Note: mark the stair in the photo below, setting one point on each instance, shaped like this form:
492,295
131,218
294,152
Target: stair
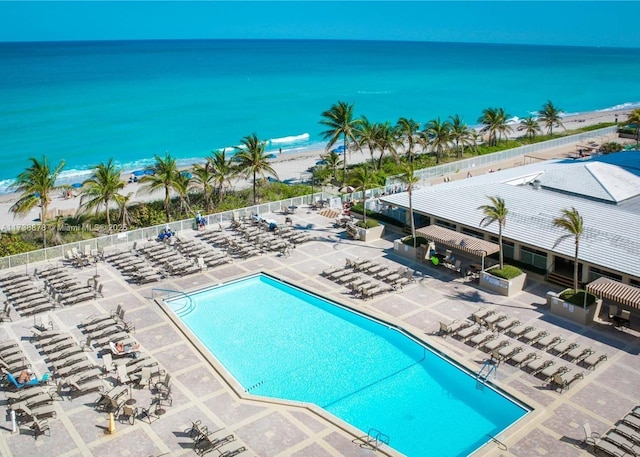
561,280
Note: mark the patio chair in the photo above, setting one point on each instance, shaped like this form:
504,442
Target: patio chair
535,366
549,372
629,432
481,314
128,414
518,331
562,348
562,382
576,355
453,327
468,332
40,427
77,390
491,320
505,353
481,338
507,324
494,344
533,336
548,342
622,441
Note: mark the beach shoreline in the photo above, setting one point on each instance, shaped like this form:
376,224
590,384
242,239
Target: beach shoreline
289,166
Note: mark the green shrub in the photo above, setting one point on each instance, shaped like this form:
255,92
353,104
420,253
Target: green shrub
357,208
420,240
578,298
508,272
368,224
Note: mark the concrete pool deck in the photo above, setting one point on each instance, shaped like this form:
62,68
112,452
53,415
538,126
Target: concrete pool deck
269,429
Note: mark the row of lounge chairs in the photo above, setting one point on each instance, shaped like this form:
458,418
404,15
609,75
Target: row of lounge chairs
621,440
205,441
134,267
25,295
205,255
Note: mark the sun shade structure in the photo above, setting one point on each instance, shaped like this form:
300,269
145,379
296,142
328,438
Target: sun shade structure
615,291
457,240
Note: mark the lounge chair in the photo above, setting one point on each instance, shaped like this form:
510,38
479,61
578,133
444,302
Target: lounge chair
622,441
494,344
576,355
232,452
505,353
562,381
481,314
537,365
518,331
507,324
533,336
547,342
562,348
77,390
629,432
33,382
592,361
608,447
481,338
468,332
453,327
548,373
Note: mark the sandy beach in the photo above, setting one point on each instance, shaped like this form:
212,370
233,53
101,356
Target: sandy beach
289,166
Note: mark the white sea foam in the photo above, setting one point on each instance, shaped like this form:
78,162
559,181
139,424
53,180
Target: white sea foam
304,137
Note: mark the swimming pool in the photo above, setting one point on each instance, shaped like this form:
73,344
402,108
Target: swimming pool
280,341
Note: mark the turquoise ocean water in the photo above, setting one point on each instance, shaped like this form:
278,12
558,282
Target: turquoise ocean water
87,101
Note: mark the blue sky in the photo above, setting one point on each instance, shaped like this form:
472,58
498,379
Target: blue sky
574,23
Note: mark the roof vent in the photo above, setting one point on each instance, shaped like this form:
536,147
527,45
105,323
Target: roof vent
536,184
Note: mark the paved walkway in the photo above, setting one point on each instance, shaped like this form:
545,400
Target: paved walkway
269,429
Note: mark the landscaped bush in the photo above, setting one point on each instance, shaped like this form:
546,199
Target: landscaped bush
358,209
508,272
611,146
368,224
578,298
420,240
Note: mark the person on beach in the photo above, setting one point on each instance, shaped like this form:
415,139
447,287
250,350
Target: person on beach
26,376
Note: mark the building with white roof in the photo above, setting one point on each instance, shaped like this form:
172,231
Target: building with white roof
604,189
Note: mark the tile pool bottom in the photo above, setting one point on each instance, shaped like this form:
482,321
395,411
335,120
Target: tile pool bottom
280,341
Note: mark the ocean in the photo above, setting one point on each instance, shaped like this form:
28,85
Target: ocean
85,102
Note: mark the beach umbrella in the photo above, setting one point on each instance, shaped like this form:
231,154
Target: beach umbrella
337,151
138,173
148,172
321,162
76,185
186,174
271,156
347,190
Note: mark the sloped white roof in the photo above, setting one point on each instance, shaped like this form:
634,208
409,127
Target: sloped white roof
611,236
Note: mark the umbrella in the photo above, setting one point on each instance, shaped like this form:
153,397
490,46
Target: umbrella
148,172
321,162
347,189
138,173
186,174
271,156
337,151
76,185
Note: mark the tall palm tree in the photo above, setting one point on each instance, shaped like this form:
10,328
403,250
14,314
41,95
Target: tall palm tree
252,161
102,188
495,124
634,118
366,135
408,130
203,178
333,162
362,179
459,133
223,171
495,212
164,175
387,140
530,126
36,184
340,123
438,135
410,179
572,222
550,115
181,186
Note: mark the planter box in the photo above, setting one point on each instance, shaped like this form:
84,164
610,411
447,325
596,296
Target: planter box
502,286
417,254
374,233
573,312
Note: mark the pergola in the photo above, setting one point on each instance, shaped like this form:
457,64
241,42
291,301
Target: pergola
615,291
459,241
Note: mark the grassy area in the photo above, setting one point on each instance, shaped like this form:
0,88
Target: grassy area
578,298
508,272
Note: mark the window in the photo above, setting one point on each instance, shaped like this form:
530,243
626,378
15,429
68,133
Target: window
473,233
595,273
445,224
508,247
533,257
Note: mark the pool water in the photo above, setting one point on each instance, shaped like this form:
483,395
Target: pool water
280,341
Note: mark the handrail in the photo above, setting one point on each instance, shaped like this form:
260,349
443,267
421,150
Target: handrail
181,311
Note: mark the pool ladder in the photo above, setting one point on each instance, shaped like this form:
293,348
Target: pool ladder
374,439
489,367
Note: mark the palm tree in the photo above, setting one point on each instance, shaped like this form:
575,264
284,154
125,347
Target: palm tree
366,134
123,211
362,179
340,122
459,133
572,222
333,162
36,184
410,179
634,117
495,212
550,115
101,189
164,175
437,134
203,178
181,186
387,139
252,161
223,172
530,126
408,131
495,124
